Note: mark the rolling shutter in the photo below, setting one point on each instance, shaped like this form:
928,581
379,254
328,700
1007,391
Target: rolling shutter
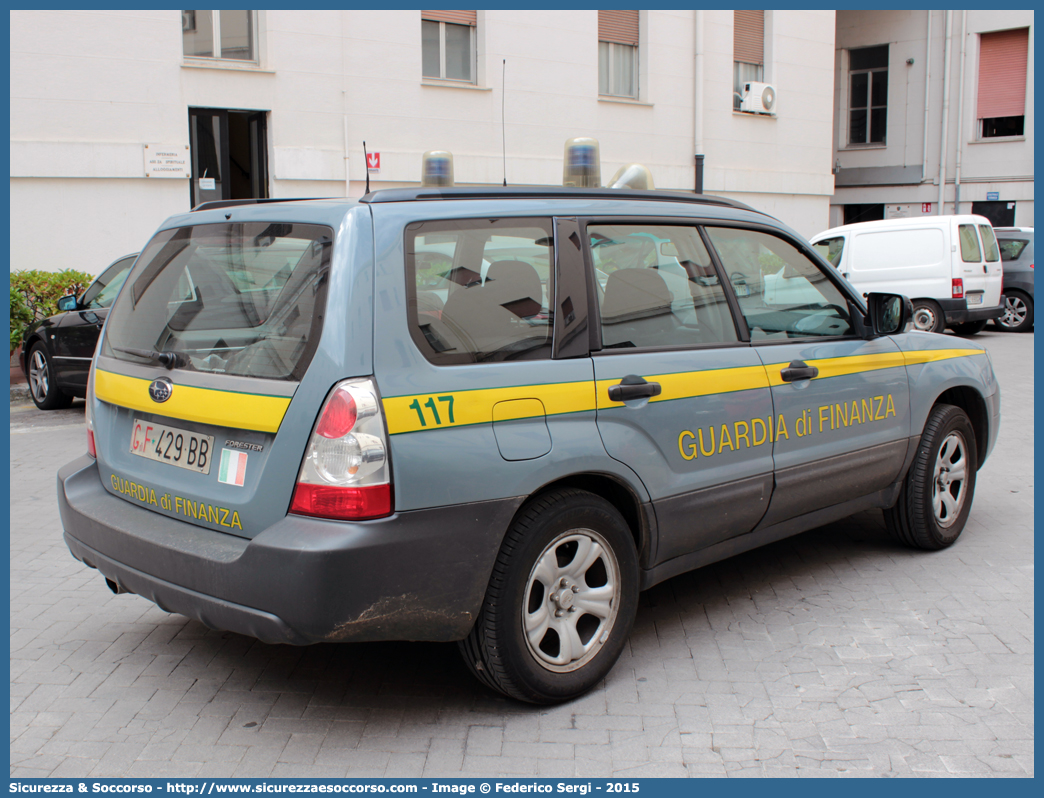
620,27
748,37
455,17
1002,73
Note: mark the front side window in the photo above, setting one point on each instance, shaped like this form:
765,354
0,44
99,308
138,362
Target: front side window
480,290
781,293
242,299
104,290
448,45
830,249
219,34
970,252
657,287
748,52
618,53
989,243
868,95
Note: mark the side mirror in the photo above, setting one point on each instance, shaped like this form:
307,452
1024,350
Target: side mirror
67,303
888,313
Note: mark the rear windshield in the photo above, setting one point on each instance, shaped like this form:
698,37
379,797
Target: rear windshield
240,299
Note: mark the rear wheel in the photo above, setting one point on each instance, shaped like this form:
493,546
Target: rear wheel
936,496
928,316
969,327
1018,312
560,603
42,385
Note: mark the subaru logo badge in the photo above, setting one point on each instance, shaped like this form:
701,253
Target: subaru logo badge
161,389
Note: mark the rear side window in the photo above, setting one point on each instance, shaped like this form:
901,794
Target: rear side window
989,243
657,287
480,290
237,299
781,293
970,252
1011,248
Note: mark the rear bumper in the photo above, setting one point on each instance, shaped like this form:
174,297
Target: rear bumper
418,575
958,312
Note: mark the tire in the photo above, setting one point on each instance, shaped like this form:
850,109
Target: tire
42,385
928,316
1018,312
969,328
553,539
922,517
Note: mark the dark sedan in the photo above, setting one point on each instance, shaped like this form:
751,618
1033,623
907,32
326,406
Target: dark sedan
57,351
1016,245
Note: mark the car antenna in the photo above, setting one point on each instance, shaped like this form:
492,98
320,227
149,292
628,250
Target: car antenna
503,132
366,163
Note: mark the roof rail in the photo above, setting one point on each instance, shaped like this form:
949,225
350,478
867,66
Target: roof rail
544,192
215,204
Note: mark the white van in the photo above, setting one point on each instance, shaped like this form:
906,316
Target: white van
949,266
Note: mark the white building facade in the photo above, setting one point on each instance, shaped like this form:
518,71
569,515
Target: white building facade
933,113
278,104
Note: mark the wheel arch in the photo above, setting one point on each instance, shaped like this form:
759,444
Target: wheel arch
27,346
640,517
972,403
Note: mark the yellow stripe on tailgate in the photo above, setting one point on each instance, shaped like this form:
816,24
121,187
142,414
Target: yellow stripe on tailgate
461,408
204,405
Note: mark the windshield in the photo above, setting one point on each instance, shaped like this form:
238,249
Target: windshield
241,299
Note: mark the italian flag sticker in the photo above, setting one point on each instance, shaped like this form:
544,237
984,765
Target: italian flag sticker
233,467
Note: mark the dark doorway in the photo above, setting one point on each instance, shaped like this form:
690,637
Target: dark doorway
1000,214
863,213
229,155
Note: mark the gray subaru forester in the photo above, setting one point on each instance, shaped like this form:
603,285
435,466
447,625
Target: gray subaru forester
494,416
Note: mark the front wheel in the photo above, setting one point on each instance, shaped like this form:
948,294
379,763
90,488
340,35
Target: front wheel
560,603
936,496
1018,312
928,316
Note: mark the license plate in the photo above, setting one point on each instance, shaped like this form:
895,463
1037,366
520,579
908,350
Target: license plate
975,299
172,446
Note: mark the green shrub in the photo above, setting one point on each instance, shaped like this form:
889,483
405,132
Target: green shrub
21,317
38,293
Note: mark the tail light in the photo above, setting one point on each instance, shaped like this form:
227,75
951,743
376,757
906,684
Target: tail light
345,473
958,288
89,415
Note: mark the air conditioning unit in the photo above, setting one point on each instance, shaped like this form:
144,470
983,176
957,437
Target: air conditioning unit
758,98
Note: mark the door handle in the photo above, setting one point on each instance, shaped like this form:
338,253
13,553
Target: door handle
633,387
798,370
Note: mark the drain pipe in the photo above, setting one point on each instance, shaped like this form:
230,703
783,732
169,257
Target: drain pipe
927,85
697,101
960,117
945,109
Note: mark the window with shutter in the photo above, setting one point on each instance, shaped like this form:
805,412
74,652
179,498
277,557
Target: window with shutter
1002,83
748,51
448,45
618,53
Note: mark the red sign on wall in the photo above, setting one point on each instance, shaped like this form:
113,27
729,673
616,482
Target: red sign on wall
373,162
926,207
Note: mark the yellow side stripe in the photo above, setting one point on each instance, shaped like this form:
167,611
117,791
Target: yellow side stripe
203,405
688,384
460,408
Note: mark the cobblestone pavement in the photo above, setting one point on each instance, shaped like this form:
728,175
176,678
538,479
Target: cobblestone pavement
833,653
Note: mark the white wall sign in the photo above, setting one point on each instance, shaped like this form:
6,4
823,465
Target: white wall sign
166,160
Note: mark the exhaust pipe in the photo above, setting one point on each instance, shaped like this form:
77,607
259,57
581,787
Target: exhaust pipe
115,588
